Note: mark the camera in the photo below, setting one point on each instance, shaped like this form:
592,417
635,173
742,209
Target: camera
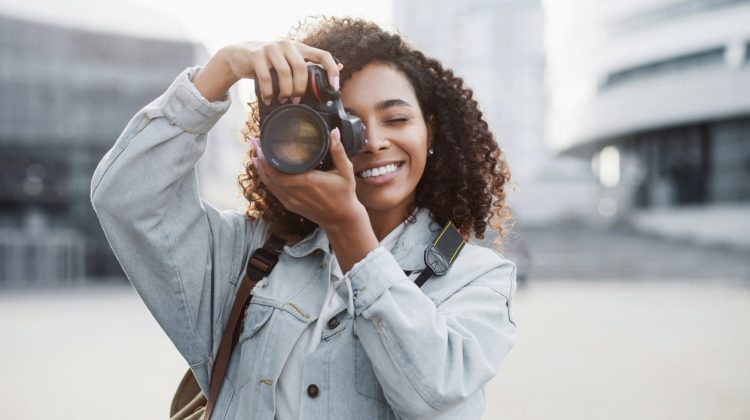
294,138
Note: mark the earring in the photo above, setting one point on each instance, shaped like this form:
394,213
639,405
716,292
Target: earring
430,151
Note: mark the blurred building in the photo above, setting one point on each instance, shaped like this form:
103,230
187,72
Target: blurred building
497,48
68,90
655,94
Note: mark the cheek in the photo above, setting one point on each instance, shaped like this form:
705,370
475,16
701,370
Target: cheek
418,155
418,168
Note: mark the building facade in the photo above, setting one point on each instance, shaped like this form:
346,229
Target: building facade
67,93
656,94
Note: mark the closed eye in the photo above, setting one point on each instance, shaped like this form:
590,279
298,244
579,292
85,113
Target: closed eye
398,120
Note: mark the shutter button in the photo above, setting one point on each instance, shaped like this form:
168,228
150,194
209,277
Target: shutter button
312,390
332,323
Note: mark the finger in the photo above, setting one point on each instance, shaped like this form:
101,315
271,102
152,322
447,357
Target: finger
258,153
261,166
325,59
259,170
263,79
299,69
255,143
340,161
283,72
259,161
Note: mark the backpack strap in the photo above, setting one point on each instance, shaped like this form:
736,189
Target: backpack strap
260,265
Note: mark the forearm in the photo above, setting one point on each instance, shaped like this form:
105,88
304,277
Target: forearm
215,79
145,194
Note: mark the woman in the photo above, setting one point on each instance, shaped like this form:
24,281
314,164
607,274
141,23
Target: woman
338,330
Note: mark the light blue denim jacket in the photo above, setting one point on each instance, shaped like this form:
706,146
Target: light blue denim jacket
403,352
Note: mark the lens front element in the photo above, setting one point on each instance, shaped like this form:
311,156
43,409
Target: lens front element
294,138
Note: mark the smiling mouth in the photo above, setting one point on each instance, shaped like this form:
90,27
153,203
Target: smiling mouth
379,171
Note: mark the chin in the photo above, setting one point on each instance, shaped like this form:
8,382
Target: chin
384,202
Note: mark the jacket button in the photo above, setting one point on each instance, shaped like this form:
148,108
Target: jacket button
312,390
332,323
322,266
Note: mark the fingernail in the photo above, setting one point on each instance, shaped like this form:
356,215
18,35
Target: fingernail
336,134
340,66
283,100
267,101
336,83
296,100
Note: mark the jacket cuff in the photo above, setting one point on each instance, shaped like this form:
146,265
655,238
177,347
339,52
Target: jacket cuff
368,279
184,106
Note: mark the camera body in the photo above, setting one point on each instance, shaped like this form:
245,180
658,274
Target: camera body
294,138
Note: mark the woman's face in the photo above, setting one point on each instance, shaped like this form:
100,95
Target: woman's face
389,167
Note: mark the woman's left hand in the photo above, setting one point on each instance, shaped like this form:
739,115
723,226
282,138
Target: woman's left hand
326,198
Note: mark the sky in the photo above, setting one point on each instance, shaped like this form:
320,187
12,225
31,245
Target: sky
221,22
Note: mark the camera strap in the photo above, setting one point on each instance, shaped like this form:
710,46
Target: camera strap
440,254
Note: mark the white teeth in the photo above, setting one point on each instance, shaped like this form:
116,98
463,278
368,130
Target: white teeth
367,173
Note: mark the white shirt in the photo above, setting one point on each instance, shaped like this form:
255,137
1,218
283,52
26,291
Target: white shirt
289,387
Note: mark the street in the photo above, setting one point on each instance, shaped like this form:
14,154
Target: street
586,350
624,350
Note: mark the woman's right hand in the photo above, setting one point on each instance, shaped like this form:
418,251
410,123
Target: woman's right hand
251,60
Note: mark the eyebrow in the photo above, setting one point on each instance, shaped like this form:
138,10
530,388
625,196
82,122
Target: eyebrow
383,105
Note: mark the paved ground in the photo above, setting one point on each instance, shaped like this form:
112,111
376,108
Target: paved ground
602,336
627,350
84,354
587,350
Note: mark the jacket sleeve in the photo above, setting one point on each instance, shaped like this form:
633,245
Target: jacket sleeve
182,255
431,357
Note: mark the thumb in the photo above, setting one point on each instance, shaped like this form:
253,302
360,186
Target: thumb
340,161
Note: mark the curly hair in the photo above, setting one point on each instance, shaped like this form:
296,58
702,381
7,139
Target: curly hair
464,180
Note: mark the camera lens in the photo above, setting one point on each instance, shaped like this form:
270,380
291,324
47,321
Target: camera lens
294,138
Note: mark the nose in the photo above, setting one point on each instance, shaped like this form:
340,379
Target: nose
375,141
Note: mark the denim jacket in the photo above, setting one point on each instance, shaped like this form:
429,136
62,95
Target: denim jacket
398,352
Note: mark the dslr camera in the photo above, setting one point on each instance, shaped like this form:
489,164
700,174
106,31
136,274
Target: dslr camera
294,138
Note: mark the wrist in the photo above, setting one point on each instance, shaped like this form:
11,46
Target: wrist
215,78
352,239
354,220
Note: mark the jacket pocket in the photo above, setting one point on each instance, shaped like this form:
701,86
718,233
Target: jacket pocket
366,382
252,342
256,317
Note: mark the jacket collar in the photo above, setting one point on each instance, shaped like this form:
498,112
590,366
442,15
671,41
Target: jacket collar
315,240
408,249
411,244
